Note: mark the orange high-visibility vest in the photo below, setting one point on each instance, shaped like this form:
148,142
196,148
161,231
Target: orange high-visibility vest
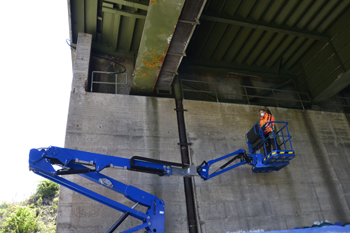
268,127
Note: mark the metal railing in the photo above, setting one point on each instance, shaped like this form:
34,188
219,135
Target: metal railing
242,94
343,103
108,83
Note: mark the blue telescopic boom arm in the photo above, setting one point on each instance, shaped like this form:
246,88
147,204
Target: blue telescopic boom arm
89,165
203,169
73,161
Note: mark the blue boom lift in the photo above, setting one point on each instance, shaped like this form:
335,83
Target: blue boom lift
89,165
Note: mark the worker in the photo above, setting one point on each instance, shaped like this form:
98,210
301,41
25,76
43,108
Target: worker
268,130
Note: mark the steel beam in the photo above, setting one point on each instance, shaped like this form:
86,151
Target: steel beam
123,13
268,92
138,5
115,33
77,19
185,159
266,27
91,17
184,30
107,50
129,33
234,69
160,24
338,85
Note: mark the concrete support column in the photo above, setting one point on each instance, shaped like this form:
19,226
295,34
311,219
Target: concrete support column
81,63
67,199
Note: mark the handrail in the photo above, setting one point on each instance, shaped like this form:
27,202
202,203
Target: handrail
214,93
113,83
283,133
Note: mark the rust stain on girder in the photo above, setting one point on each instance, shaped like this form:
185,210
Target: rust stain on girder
158,31
150,61
153,60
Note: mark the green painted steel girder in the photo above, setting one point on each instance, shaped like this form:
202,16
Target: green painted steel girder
234,68
124,13
160,24
334,88
138,5
266,27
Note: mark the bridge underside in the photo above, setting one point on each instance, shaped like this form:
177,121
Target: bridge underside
283,55
300,46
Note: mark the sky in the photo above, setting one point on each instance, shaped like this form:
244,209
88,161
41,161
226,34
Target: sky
36,77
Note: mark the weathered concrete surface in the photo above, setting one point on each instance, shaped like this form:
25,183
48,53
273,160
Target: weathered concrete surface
81,63
128,126
314,187
123,126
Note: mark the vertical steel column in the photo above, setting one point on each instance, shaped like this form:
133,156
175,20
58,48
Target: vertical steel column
274,96
306,79
337,56
185,159
246,94
302,105
116,83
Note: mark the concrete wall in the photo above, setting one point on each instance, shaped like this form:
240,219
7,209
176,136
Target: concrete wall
123,126
314,187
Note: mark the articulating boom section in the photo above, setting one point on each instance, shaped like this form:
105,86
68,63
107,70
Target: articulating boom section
260,156
89,165
203,169
74,162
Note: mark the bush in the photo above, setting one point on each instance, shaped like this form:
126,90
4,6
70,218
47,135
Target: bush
22,220
4,205
34,215
47,189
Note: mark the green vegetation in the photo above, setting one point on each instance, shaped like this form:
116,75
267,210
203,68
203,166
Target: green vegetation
47,189
36,214
22,219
